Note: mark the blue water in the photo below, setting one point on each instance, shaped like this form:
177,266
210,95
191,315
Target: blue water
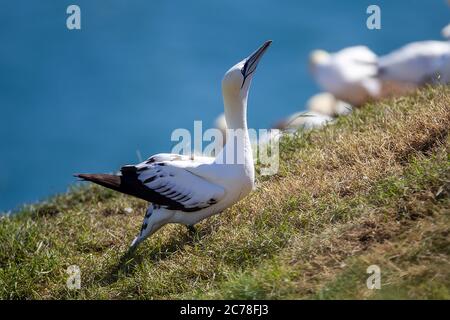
85,101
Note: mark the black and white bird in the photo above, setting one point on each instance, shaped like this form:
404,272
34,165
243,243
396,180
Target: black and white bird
183,189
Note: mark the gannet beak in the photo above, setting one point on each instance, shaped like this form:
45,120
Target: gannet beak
252,61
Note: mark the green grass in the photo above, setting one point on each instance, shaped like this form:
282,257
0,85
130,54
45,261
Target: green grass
372,189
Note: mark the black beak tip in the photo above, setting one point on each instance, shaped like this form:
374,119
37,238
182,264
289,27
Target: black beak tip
265,45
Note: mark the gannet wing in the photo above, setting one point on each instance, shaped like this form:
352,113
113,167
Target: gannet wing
416,62
167,180
161,157
169,185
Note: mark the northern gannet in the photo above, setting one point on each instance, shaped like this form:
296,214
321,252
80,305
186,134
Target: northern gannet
306,120
186,190
327,104
348,74
416,64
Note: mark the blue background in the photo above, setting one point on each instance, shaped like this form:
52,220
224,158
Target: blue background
85,101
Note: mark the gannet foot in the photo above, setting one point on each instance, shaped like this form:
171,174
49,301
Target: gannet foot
191,229
133,245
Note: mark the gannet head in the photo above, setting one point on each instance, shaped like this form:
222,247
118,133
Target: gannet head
318,57
237,80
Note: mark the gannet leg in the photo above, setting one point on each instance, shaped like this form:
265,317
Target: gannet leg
155,217
191,229
143,233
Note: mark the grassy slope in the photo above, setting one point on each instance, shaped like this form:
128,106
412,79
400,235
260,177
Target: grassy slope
373,189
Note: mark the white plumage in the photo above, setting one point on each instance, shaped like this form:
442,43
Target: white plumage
221,123
349,74
306,120
417,63
445,32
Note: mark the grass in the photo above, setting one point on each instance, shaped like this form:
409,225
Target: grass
371,189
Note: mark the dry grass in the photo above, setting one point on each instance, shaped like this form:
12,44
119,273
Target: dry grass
372,189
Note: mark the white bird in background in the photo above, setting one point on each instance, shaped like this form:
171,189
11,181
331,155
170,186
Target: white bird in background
416,64
327,104
185,190
348,74
445,32
306,120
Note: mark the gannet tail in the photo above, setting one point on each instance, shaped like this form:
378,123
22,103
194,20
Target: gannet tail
106,180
